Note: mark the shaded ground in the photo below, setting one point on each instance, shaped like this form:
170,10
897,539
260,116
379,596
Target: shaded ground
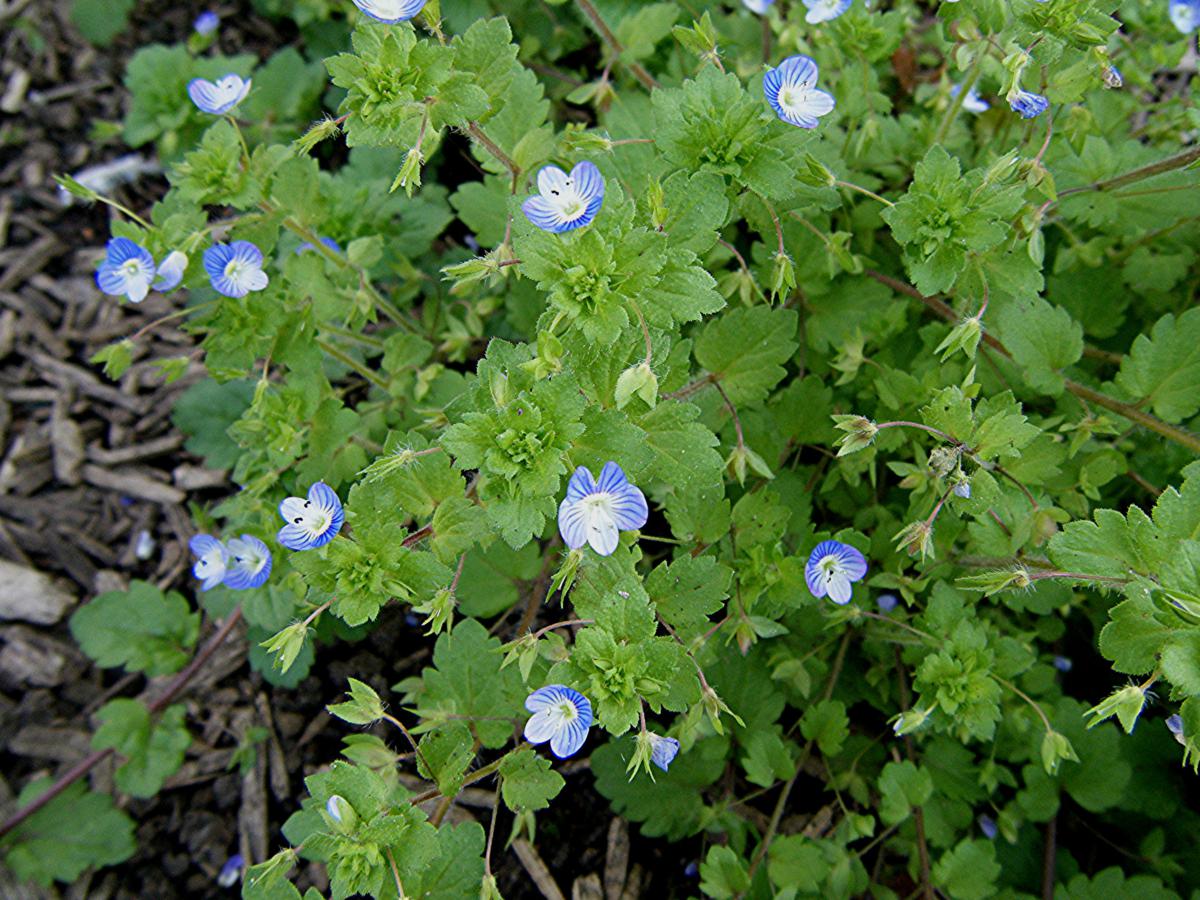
94,487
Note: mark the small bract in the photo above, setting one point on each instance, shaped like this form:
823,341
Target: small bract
832,568
1028,104
313,522
251,565
565,202
235,269
561,715
220,96
972,103
127,270
791,90
594,512
170,271
1185,15
390,11
211,559
824,10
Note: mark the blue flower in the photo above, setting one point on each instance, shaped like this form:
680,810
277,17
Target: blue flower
565,202
972,103
335,806
220,96
170,271
886,603
1113,78
988,826
206,23
1185,15
1062,663
791,91
758,6
127,270
307,246
231,871
1028,104
235,269
313,522
211,557
251,563
663,750
561,716
594,511
824,10
390,11
832,568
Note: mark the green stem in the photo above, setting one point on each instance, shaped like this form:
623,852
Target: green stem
862,190
1178,161
605,32
490,146
957,102
351,363
1024,696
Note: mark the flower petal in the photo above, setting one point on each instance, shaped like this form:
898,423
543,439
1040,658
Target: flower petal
629,509
571,524
581,484
545,697
552,181
170,271
542,726
539,211
295,537
612,478
839,588
567,740
589,183
602,531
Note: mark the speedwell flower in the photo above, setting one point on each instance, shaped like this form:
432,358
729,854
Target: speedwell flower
832,568
235,269
220,96
972,103
1028,104
565,202
1185,15
1174,725
170,271
561,716
309,247
127,270
313,522
251,563
211,558
593,512
390,11
791,91
824,10
758,6
206,23
663,750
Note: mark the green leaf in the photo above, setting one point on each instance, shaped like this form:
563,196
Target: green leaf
101,20
1162,369
968,871
466,680
902,785
446,752
723,874
528,782
363,707
142,629
827,724
1043,340
76,830
745,350
153,751
687,591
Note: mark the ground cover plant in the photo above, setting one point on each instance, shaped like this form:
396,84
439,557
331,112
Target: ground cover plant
787,408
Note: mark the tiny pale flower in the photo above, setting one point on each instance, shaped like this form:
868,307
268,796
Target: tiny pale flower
308,247
972,103
1028,104
127,270
663,750
824,10
595,511
220,96
1185,15
250,564
1062,663
1174,725
561,715
235,269
886,603
565,202
831,570
988,826
211,560
206,23
335,806
170,271
231,872
758,6
791,91
313,522
390,12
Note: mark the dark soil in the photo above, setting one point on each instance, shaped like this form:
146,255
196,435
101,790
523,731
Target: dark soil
90,469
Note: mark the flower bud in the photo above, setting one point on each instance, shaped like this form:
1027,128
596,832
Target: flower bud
860,432
916,538
409,176
910,720
1125,703
638,380
1055,749
340,813
438,611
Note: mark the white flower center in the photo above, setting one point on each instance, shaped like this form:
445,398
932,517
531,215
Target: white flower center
794,98
567,201
566,712
829,565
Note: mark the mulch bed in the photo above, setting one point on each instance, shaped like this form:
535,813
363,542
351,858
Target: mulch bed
94,486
